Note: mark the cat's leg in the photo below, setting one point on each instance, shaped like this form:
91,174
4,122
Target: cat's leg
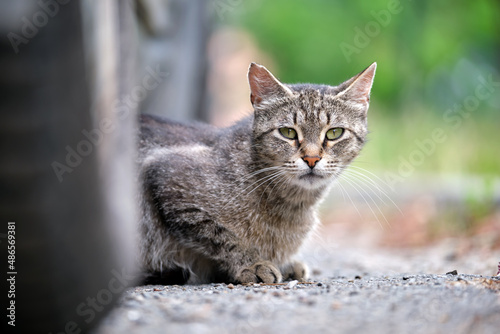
295,270
195,229
263,271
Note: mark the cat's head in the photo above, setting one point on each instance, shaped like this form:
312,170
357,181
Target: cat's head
308,133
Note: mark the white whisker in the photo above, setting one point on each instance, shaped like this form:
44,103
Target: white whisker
282,181
375,184
259,182
355,185
372,186
347,193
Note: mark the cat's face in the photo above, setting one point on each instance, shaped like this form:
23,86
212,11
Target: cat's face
309,133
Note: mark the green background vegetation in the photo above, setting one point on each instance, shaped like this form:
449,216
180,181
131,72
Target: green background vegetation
430,57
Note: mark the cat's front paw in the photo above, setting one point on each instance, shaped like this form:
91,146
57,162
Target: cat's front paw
260,272
295,270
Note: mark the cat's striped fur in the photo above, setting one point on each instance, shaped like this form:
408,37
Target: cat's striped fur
236,204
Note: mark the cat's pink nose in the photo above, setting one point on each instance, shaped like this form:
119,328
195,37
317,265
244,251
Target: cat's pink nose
311,161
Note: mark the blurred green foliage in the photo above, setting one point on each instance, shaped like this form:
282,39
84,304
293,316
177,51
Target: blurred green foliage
413,41
432,56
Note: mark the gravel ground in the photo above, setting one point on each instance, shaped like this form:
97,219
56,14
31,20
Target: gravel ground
351,290
396,304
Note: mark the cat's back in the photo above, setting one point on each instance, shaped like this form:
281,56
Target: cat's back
156,131
196,146
170,143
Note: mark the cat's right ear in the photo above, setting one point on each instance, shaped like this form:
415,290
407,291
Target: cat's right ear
264,86
357,89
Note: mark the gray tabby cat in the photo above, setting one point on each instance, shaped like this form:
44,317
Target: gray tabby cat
236,204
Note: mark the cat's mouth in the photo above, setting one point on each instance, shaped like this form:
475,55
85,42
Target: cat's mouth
311,176
312,180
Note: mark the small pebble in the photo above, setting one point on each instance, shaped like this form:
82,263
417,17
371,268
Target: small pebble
336,305
316,272
454,272
277,293
291,284
306,301
133,315
230,286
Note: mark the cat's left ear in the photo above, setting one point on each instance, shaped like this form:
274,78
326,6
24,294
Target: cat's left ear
264,86
357,89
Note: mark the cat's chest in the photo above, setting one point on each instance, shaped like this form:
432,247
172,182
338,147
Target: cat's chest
277,237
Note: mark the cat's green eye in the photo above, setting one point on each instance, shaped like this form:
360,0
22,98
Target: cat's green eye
334,133
289,133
